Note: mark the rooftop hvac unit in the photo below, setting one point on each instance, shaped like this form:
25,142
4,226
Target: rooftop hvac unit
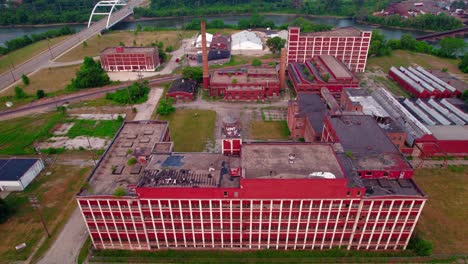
323,174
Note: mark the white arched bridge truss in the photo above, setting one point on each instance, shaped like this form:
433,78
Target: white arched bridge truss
107,3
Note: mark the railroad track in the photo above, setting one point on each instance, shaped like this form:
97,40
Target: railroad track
54,102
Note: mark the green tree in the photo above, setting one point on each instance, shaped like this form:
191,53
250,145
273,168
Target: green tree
25,79
19,93
5,211
407,42
133,94
40,94
139,27
85,44
194,73
165,107
464,96
451,47
326,77
256,62
463,66
378,45
275,44
89,75
420,246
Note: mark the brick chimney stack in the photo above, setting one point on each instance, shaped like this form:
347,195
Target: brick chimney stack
282,70
206,74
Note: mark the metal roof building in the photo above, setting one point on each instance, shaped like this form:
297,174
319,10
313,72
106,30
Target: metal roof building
17,174
246,40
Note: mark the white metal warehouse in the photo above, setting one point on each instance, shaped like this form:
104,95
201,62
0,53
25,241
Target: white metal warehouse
246,40
17,174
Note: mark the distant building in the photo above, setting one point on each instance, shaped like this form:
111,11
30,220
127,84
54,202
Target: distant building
348,44
220,42
306,115
321,71
215,57
246,40
251,84
130,59
198,41
421,83
182,89
17,174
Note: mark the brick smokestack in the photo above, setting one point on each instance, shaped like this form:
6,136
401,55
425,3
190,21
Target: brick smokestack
206,74
282,70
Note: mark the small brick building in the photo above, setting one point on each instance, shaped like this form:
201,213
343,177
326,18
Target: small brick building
322,71
254,83
305,117
130,59
182,89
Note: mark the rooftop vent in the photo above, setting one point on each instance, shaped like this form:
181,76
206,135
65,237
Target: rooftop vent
291,158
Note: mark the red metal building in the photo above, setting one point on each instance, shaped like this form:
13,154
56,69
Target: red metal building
348,44
130,59
254,83
274,196
422,84
323,71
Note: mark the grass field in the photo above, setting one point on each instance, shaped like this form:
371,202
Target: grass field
408,58
20,56
51,80
98,43
93,128
19,134
55,193
265,130
443,220
191,130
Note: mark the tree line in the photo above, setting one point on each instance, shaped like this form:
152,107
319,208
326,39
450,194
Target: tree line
448,47
26,40
45,12
440,22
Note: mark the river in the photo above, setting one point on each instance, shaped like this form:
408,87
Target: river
390,33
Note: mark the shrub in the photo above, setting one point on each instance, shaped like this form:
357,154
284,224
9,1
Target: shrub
51,151
256,63
132,161
25,79
420,246
169,49
85,44
19,93
133,94
165,107
5,211
40,94
120,118
119,191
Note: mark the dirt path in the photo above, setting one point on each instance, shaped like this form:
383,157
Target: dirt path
145,110
66,247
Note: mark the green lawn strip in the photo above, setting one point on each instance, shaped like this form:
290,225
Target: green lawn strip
19,134
266,130
392,86
94,128
191,129
84,251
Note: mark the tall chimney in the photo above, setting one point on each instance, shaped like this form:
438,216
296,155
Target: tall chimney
282,71
206,74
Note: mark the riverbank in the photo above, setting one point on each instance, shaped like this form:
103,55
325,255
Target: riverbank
362,22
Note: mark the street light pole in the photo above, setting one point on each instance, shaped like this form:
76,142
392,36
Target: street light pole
35,204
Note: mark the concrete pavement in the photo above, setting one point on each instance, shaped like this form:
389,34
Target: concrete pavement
66,247
146,109
42,60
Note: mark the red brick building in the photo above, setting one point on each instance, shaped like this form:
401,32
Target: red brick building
347,44
321,71
254,83
182,89
306,115
130,59
273,196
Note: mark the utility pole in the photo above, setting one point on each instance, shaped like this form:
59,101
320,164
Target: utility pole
48,44
91,149
35,204
11,66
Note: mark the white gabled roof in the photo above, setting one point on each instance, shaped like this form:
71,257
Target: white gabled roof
245,36
209,38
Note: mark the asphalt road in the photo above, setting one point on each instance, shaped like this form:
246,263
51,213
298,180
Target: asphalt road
42,60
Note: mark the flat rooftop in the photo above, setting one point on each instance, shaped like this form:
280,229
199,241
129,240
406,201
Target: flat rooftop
312,107
273,161
336,32
191,170
245,76
386,187
128,50
13,169
336,67
134,137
